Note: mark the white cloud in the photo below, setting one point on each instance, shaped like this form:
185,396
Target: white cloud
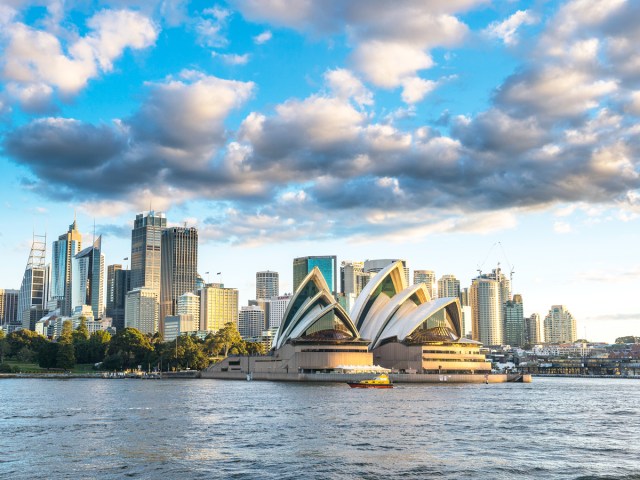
345,85
414,89
262,38
232,58
387,64
506,30
35,62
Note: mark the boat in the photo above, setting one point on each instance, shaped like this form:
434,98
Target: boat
381,381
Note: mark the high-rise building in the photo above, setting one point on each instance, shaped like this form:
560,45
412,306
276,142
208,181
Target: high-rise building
146,238
176,325
353,278
487,296
559,326
141,310
8,306
33,294
277,308
189,304
328,266
87,278
63,251
448,286
428,277
267,285
118,284
532,329
374,266
251,321
218,305
514,326
464,297
179,266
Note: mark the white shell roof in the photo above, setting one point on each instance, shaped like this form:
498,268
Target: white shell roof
402,325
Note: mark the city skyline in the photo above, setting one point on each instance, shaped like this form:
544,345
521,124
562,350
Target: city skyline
509,122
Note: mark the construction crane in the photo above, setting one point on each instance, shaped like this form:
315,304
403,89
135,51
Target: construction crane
504,254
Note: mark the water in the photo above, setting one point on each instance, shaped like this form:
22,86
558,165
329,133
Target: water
92,428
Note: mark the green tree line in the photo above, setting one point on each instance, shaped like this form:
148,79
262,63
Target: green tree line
125,350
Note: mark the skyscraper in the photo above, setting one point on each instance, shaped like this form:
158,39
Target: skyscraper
328,266
251,321
532,329
487,296
146,238
428,277
374,266
33,294
514,327
118,284
218,305
559,326
277,307
141,310
63,250
87,278
8,306
179,266
353,278
267,285
448,286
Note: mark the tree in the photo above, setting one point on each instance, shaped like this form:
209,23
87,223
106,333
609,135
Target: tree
48,355
5,348
628,339
228,337
66,357
97,346
81,342
25,338
134,347
255,348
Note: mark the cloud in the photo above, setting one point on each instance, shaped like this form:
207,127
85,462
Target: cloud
35,63
165,149
345,85
262,38
506,30
562,227
232,58
388,50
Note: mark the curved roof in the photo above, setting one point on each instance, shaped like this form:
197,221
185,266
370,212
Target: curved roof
313,302
403,324
388,282
377,319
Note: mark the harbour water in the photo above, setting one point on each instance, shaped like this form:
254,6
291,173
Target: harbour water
91,428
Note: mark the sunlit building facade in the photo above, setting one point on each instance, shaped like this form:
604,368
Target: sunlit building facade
218,305
559,326
63,252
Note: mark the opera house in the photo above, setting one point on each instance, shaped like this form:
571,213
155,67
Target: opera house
392,326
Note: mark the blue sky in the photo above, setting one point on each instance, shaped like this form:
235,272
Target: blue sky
427,130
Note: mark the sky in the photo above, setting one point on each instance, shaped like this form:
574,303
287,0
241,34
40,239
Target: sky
455,134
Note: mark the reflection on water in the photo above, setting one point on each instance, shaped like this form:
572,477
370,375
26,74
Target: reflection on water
91,428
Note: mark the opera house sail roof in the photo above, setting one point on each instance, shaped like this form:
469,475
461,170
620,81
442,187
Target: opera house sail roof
314,315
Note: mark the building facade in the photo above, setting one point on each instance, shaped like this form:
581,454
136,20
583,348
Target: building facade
251,321
118,284
63,251
559,326
277,307
218,305
33,294
532,329
146,240
141,310
87,279
514,326
428,277
487,297
267,285
448,286
9,306
374,266
328,266
179,266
